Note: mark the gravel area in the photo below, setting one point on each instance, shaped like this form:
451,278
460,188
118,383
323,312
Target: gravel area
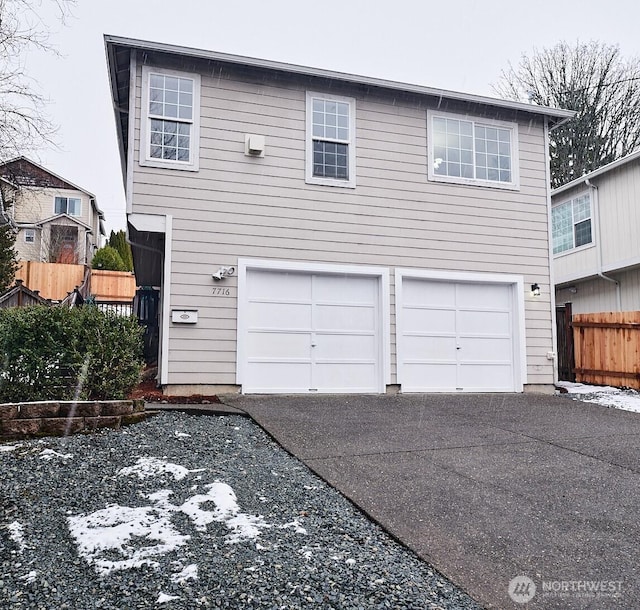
191,512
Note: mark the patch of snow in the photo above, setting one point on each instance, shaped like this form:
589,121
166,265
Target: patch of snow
30,577
188,573
163,598
147,467
350,561
627,400
16,533
295,524
178,434
112,530
9,447
49,454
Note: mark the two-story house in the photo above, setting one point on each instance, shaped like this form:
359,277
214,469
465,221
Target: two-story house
596,232
314,231
57,221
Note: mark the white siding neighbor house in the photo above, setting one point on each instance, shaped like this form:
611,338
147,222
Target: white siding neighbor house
596,233
313,231
56,221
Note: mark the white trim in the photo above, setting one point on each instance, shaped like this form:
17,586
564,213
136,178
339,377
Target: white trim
514,185
166,302
552,292
152,223
382,273
145,158
309,177
131,135
517,292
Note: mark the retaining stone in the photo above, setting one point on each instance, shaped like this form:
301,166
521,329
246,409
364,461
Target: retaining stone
80,409
8,412
61,426
93,423
38,409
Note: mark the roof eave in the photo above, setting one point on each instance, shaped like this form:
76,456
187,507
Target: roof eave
555,114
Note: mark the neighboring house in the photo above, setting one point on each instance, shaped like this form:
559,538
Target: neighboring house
596,239
369,236
57,221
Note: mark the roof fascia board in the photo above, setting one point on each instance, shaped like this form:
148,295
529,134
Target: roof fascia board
339,76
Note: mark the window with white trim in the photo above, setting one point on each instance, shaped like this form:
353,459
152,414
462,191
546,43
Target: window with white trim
571,224
29,236
170,124
68,205
330,140
473,151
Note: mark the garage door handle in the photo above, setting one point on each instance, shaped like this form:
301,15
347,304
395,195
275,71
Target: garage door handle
458,347
313,344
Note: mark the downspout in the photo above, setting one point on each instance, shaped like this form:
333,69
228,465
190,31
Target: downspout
596,209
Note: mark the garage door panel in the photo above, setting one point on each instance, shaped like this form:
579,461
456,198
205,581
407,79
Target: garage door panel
481,377
344,347
347,377
486,322
489,349
279,316
290,286
278,345
437,294
427,348
475,295
422,377
345,289
429,320
339,317
279,376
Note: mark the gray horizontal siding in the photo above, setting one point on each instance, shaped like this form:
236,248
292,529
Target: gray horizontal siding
261,208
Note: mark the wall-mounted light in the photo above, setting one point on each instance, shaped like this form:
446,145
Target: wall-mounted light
535,290
223,272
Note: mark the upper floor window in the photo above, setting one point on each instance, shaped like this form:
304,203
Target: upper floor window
170,124
473,151
29,236
571,224
330,140
68,205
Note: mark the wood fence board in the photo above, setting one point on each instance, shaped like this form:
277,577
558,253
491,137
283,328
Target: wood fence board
113,285
52,280
607,348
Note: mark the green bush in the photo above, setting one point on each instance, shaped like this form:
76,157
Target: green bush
55,353
108,259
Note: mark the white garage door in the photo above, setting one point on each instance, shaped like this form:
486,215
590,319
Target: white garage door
457,337
308,332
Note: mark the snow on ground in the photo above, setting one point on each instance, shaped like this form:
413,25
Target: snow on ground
107,538
16,533
49,454
150,467
628,400
9,447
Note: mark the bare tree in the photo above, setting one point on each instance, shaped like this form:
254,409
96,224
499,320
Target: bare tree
24,125
599,84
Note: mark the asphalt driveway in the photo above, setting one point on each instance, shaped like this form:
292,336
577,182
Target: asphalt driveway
485,487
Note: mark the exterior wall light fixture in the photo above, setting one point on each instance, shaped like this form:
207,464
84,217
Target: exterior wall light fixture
535,290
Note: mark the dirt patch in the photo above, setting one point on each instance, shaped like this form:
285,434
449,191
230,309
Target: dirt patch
149,392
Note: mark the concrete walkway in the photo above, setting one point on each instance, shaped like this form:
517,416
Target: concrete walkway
484,487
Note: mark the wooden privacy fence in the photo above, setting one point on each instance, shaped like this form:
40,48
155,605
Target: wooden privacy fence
607,348
55,280
52,280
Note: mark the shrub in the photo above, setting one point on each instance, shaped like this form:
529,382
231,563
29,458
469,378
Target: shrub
108,259
54,353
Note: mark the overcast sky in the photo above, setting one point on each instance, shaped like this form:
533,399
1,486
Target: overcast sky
460,45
